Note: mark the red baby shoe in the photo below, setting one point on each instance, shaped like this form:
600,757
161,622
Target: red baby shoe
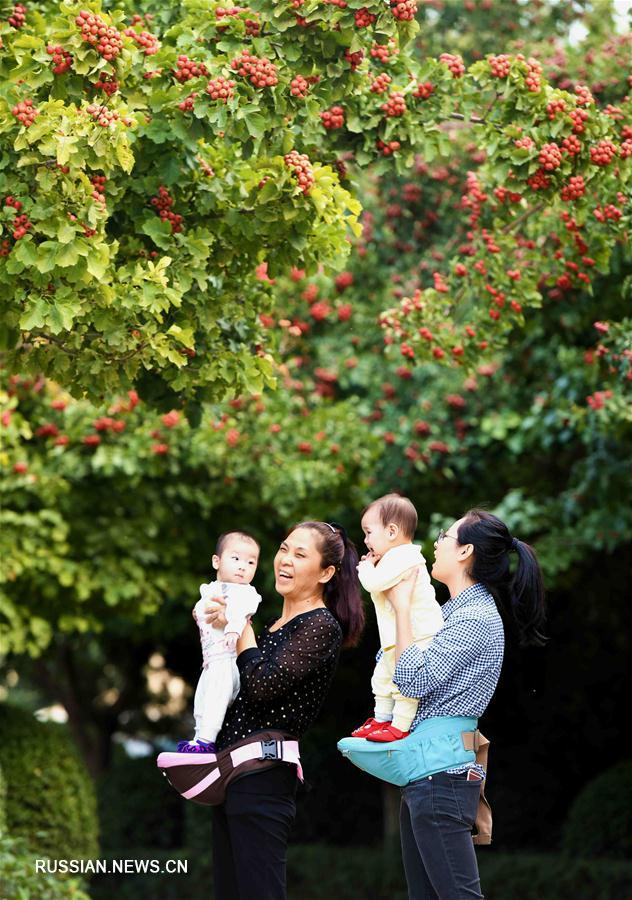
366,729
387,733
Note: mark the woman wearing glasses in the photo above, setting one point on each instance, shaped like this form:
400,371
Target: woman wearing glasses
491,577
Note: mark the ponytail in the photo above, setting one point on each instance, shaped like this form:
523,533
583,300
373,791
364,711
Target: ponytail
341,593
518,589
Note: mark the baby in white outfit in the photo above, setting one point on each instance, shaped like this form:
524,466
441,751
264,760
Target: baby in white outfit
235,561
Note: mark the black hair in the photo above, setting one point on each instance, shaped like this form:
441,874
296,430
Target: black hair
519,593
398,509
341,593
221,540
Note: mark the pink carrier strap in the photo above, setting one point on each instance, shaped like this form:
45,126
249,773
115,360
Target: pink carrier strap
286,751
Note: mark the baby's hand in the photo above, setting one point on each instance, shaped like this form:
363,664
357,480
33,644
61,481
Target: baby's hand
230,641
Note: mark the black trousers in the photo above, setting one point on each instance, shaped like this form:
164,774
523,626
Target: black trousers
250,834
436,819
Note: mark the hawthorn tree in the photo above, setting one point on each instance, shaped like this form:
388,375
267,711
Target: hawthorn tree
154,183
110,506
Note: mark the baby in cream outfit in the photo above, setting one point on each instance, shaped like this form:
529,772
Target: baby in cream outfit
389,525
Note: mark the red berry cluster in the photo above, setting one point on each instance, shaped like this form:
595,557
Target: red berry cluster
253,27
163,203
300,165
11,201
21,225
454,64
106,39
333,118
98,183
503,194
146,40
343,281
424,89
572,145
299,87
380,52
603,153
610,211
107,83
578,117
598,399
380,84
18,16
555,107
354,59
550,157
574,189
102,115
388,148
584,97
626,149
534,71
363,18
404,10
186,105
538,181
500,65
524,143
260,72
25,112
187,69
48,429
221,89
62,60
439,283
395,105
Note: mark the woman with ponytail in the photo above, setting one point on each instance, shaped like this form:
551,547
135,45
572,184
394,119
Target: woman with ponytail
285,675
493,578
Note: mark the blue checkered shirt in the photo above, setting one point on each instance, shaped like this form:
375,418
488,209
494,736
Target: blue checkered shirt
457,674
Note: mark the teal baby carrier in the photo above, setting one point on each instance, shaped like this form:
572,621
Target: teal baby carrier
436,744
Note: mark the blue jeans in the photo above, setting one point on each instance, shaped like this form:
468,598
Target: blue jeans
436,817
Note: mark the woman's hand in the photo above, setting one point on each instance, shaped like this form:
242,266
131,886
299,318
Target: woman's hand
401,594
216,615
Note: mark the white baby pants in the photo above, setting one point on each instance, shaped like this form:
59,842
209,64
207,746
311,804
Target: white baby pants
216,689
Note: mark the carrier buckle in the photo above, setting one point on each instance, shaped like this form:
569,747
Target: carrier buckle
269,750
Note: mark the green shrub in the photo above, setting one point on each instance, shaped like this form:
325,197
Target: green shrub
138,807
553,877
20,881
318,872
364,873
50,799
197,882
598,823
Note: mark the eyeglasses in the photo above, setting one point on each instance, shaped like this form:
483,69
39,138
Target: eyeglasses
442,534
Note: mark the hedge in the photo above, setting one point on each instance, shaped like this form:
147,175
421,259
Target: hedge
50,799
598,823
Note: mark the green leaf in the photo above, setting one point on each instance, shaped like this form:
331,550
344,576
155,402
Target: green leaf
65,232
125,156
35,316
158,231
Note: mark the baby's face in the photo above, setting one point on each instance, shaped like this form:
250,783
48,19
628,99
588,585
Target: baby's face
377,537
238,562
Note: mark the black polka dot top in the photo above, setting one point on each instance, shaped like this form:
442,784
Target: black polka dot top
285,679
